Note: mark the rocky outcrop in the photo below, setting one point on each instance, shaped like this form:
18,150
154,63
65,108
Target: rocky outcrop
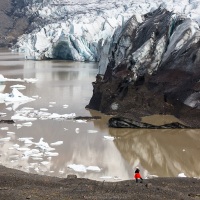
153,69
121,122
15,20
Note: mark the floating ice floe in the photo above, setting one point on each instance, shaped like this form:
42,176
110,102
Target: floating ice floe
26,140
108,137
82,168
3,79
182,175
2,97
4,128
19,87
52,102
18,117
92,131
6,139
64,116
36,96
16,96
10,133
65,106
15,146
2,114
29,114
23,149
56,143
2,87
44,145
51,154
27,124
31,80
9,108
77,168
81,121
93,168
44,109
77,130
45,162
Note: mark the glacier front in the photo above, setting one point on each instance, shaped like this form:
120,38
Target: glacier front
82,31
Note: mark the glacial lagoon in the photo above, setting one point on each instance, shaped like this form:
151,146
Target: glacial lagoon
88,149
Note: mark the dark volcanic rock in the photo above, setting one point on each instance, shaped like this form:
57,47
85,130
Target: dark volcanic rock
16,20
154,68
121,122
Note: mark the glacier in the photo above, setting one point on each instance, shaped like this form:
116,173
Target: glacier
82,31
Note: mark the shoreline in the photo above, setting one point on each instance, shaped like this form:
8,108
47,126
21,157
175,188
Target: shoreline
18,185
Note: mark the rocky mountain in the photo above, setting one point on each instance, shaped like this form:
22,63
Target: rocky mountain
153,69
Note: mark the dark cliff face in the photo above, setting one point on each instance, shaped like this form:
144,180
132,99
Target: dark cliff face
154,68
15,21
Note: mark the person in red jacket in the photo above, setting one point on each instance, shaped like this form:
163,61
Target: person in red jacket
137,175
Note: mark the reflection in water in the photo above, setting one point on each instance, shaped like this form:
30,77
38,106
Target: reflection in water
160,152
63,83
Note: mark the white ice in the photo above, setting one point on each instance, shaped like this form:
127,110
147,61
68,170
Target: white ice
182,175
108,138
56,143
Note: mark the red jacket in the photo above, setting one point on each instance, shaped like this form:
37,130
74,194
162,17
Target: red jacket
137,176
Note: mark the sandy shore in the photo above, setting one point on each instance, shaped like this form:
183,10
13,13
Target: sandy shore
18,185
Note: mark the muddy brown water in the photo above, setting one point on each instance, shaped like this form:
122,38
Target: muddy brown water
165,153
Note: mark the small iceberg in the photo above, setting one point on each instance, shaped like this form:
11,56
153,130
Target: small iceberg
16,96
44,145
56,143
27,124
18,117
182,175
10,133
2,114
44,109
77,130
6,139
51,154
77,168
93,168
92,131
4,128
45,162
64,116
65,106
19,87
31,80
108,137
81,121
3,79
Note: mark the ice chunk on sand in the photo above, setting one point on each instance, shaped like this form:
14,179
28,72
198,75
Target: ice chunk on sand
77,168
93,168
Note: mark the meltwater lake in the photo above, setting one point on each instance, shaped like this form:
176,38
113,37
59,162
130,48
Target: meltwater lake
89,149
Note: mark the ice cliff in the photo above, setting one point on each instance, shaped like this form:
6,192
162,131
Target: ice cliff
82,31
